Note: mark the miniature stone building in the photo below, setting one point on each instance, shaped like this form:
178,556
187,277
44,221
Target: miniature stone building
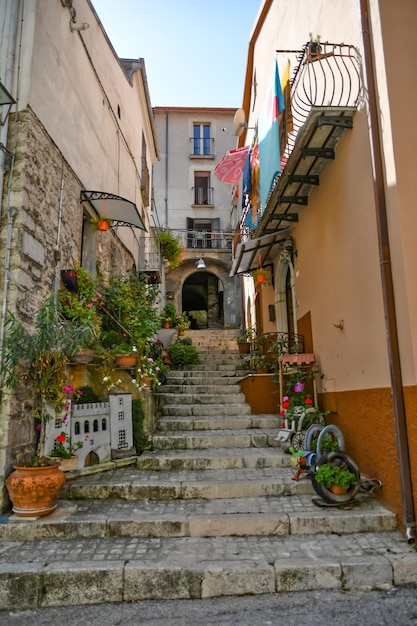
104,428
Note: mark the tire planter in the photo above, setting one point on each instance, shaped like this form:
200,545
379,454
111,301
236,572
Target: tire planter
35,490
342,459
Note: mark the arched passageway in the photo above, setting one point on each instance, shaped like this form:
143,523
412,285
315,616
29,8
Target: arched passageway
202,300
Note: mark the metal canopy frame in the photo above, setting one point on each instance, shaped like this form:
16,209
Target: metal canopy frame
122,212
263,250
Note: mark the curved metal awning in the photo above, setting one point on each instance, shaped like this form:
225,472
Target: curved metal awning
122,212
249,255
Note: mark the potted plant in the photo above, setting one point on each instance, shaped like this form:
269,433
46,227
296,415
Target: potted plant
64,450
335,478
314,47
171,248
182,323
169,315
244,340
258,362
262,275
38,361
100,222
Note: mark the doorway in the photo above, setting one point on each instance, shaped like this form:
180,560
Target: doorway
202,300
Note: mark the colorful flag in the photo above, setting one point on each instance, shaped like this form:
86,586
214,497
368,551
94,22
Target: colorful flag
285,119
268,136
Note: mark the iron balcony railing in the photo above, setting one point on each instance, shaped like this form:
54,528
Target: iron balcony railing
326,75
202,146
203,196
193,239
150,259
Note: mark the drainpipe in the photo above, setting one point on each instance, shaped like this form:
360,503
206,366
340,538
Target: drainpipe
387,284
166,168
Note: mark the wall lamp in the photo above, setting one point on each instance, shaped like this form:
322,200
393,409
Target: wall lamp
200,265
82,26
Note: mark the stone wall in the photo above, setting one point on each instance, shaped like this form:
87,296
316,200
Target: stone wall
46,237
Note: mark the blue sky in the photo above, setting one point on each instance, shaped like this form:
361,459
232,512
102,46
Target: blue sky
195,52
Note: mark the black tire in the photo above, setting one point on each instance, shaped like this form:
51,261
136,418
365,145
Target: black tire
342,459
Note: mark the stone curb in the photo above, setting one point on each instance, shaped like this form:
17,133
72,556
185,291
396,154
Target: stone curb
30,586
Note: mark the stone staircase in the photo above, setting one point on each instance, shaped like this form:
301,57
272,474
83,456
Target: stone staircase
211,511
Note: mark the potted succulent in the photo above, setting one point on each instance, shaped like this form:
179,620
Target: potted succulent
38,361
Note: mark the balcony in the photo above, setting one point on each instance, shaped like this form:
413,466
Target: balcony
202,148
325,91
150,260
216,240
203,196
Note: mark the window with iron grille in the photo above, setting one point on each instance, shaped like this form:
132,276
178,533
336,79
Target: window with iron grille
122,439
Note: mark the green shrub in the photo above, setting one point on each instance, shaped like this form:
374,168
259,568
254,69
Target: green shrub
183,353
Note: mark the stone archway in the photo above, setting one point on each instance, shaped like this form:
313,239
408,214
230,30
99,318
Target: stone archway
202,300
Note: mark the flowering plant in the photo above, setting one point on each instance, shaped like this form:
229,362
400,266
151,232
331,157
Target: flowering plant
64,448
182,321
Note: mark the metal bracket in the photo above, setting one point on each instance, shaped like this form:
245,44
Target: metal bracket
324,153
330,120
309,179
293,200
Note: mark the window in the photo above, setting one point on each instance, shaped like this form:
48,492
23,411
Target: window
95,426
201,139
203,193
77,429
104,424
122,443
86,426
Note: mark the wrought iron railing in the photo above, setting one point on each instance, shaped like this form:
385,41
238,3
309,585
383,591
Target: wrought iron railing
326,75
202,146
193,239
202,196
150,259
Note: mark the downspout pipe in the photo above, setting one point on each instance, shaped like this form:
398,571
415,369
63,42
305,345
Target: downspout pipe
387,283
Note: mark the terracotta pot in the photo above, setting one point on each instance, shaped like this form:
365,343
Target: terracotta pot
337,490
260,278
147,382
181,332
126,361
244,348
66,465
103,225
35,490
166,325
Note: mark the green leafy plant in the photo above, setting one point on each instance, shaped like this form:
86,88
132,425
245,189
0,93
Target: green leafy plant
262,275
171,248
327,444
329,475
182,354
64,448
244,336
39,360
182,322
256,361
169,314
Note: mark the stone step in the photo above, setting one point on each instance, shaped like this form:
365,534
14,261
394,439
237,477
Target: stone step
134,484
203,398
213,459
249,438
61,572
242,517
204,410
201,389
212,367
218,422
213,378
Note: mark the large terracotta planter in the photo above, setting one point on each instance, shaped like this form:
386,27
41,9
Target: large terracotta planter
244,348
35,490
126,361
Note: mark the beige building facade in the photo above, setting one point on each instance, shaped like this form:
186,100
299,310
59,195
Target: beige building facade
344,280
78,140
200,210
